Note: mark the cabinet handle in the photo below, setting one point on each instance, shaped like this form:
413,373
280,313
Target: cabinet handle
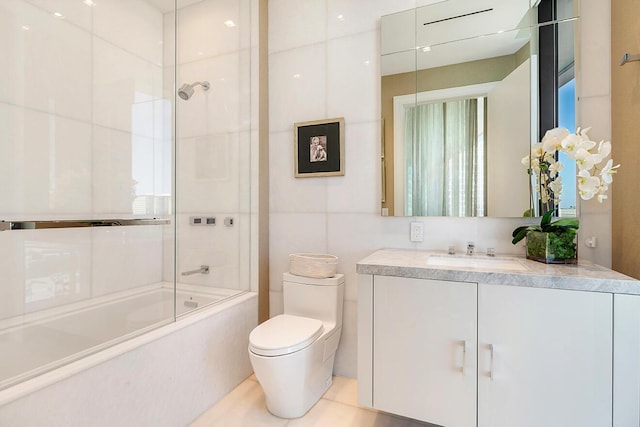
491,354
464,357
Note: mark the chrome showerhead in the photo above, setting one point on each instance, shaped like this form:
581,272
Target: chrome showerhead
186,90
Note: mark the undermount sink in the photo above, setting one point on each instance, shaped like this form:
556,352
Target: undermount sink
476,261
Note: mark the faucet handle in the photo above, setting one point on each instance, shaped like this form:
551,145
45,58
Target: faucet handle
471,247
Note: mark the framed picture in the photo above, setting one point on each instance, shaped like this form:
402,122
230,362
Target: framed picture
319,148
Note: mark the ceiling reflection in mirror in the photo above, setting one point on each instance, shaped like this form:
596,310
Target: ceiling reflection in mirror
456,92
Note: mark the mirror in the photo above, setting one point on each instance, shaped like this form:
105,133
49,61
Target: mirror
460,101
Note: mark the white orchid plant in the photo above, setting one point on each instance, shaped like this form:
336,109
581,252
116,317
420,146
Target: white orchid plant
593,180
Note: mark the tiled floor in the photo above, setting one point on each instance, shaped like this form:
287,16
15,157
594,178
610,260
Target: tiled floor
245,407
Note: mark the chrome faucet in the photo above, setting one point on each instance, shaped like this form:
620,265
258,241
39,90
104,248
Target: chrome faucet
204,269
471,247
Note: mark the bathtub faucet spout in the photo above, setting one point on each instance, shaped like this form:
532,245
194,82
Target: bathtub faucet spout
204,269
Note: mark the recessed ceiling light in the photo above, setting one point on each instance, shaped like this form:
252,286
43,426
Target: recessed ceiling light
340,17
367,62
230,23
89,3
58,15
26,27
296,76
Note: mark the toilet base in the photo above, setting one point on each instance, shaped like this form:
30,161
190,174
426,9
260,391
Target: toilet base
293,383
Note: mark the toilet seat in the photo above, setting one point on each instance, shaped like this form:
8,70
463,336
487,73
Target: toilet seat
284,334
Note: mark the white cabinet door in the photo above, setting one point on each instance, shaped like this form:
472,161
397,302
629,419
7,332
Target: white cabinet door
626,362
544,357
424,347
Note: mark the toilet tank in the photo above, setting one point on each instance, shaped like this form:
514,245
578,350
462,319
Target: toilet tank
315,298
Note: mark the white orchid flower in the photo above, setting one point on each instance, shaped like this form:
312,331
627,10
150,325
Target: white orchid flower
556,187
555,167
604,149
584,159
571,144
608,171
585,142
578,146
536,150
587,185
535,164
552,140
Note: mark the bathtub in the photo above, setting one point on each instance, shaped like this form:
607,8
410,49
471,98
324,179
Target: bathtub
128,363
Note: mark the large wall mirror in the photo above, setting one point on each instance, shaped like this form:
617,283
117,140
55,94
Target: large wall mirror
466,88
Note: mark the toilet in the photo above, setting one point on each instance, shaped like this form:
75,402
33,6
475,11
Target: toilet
292,354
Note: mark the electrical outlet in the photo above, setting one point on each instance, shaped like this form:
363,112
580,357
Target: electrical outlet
417,232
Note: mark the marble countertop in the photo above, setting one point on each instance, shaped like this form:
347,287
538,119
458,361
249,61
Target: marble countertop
499,270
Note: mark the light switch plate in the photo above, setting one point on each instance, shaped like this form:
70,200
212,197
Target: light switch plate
417,231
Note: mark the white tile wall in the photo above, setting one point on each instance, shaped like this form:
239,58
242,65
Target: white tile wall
339,215
297,86
45,62
81,132
595,111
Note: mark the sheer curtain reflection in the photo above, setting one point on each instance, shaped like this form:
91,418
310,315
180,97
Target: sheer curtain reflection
443,156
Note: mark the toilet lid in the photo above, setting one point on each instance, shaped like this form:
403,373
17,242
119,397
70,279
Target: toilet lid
284,334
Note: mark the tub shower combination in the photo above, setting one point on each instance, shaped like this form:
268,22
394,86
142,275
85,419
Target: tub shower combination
64,343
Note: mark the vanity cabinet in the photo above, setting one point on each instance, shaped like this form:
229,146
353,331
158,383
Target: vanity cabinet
424,335
464,354
544,357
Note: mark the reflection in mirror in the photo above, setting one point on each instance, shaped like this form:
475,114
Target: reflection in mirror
458,115
557,94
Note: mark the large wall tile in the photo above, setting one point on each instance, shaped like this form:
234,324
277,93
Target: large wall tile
207,176
297,86
595,48
124,88
113,182
47,160
134,25
222,108
290,194
346,356
362,171
293,233
346,17
598,226
203,30
125,258
352,70
293,23
45,62
73,11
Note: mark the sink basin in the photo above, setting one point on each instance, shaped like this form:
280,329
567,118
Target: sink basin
476,261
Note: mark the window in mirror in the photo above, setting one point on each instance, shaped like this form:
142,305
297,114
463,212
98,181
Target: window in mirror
444,156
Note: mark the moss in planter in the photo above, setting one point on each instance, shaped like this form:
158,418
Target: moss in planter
552,246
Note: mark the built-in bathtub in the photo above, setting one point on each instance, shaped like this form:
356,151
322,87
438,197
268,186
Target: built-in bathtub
122,359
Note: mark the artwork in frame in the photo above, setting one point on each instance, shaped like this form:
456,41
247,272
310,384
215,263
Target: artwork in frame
319,148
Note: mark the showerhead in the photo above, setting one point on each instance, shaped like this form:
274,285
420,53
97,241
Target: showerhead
186,90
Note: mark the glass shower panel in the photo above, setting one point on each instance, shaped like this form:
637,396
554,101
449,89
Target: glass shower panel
86,163
214,139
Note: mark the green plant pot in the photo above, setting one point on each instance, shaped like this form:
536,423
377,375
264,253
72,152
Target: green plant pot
552,247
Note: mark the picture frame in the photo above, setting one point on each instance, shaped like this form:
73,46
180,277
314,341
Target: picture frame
318,148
